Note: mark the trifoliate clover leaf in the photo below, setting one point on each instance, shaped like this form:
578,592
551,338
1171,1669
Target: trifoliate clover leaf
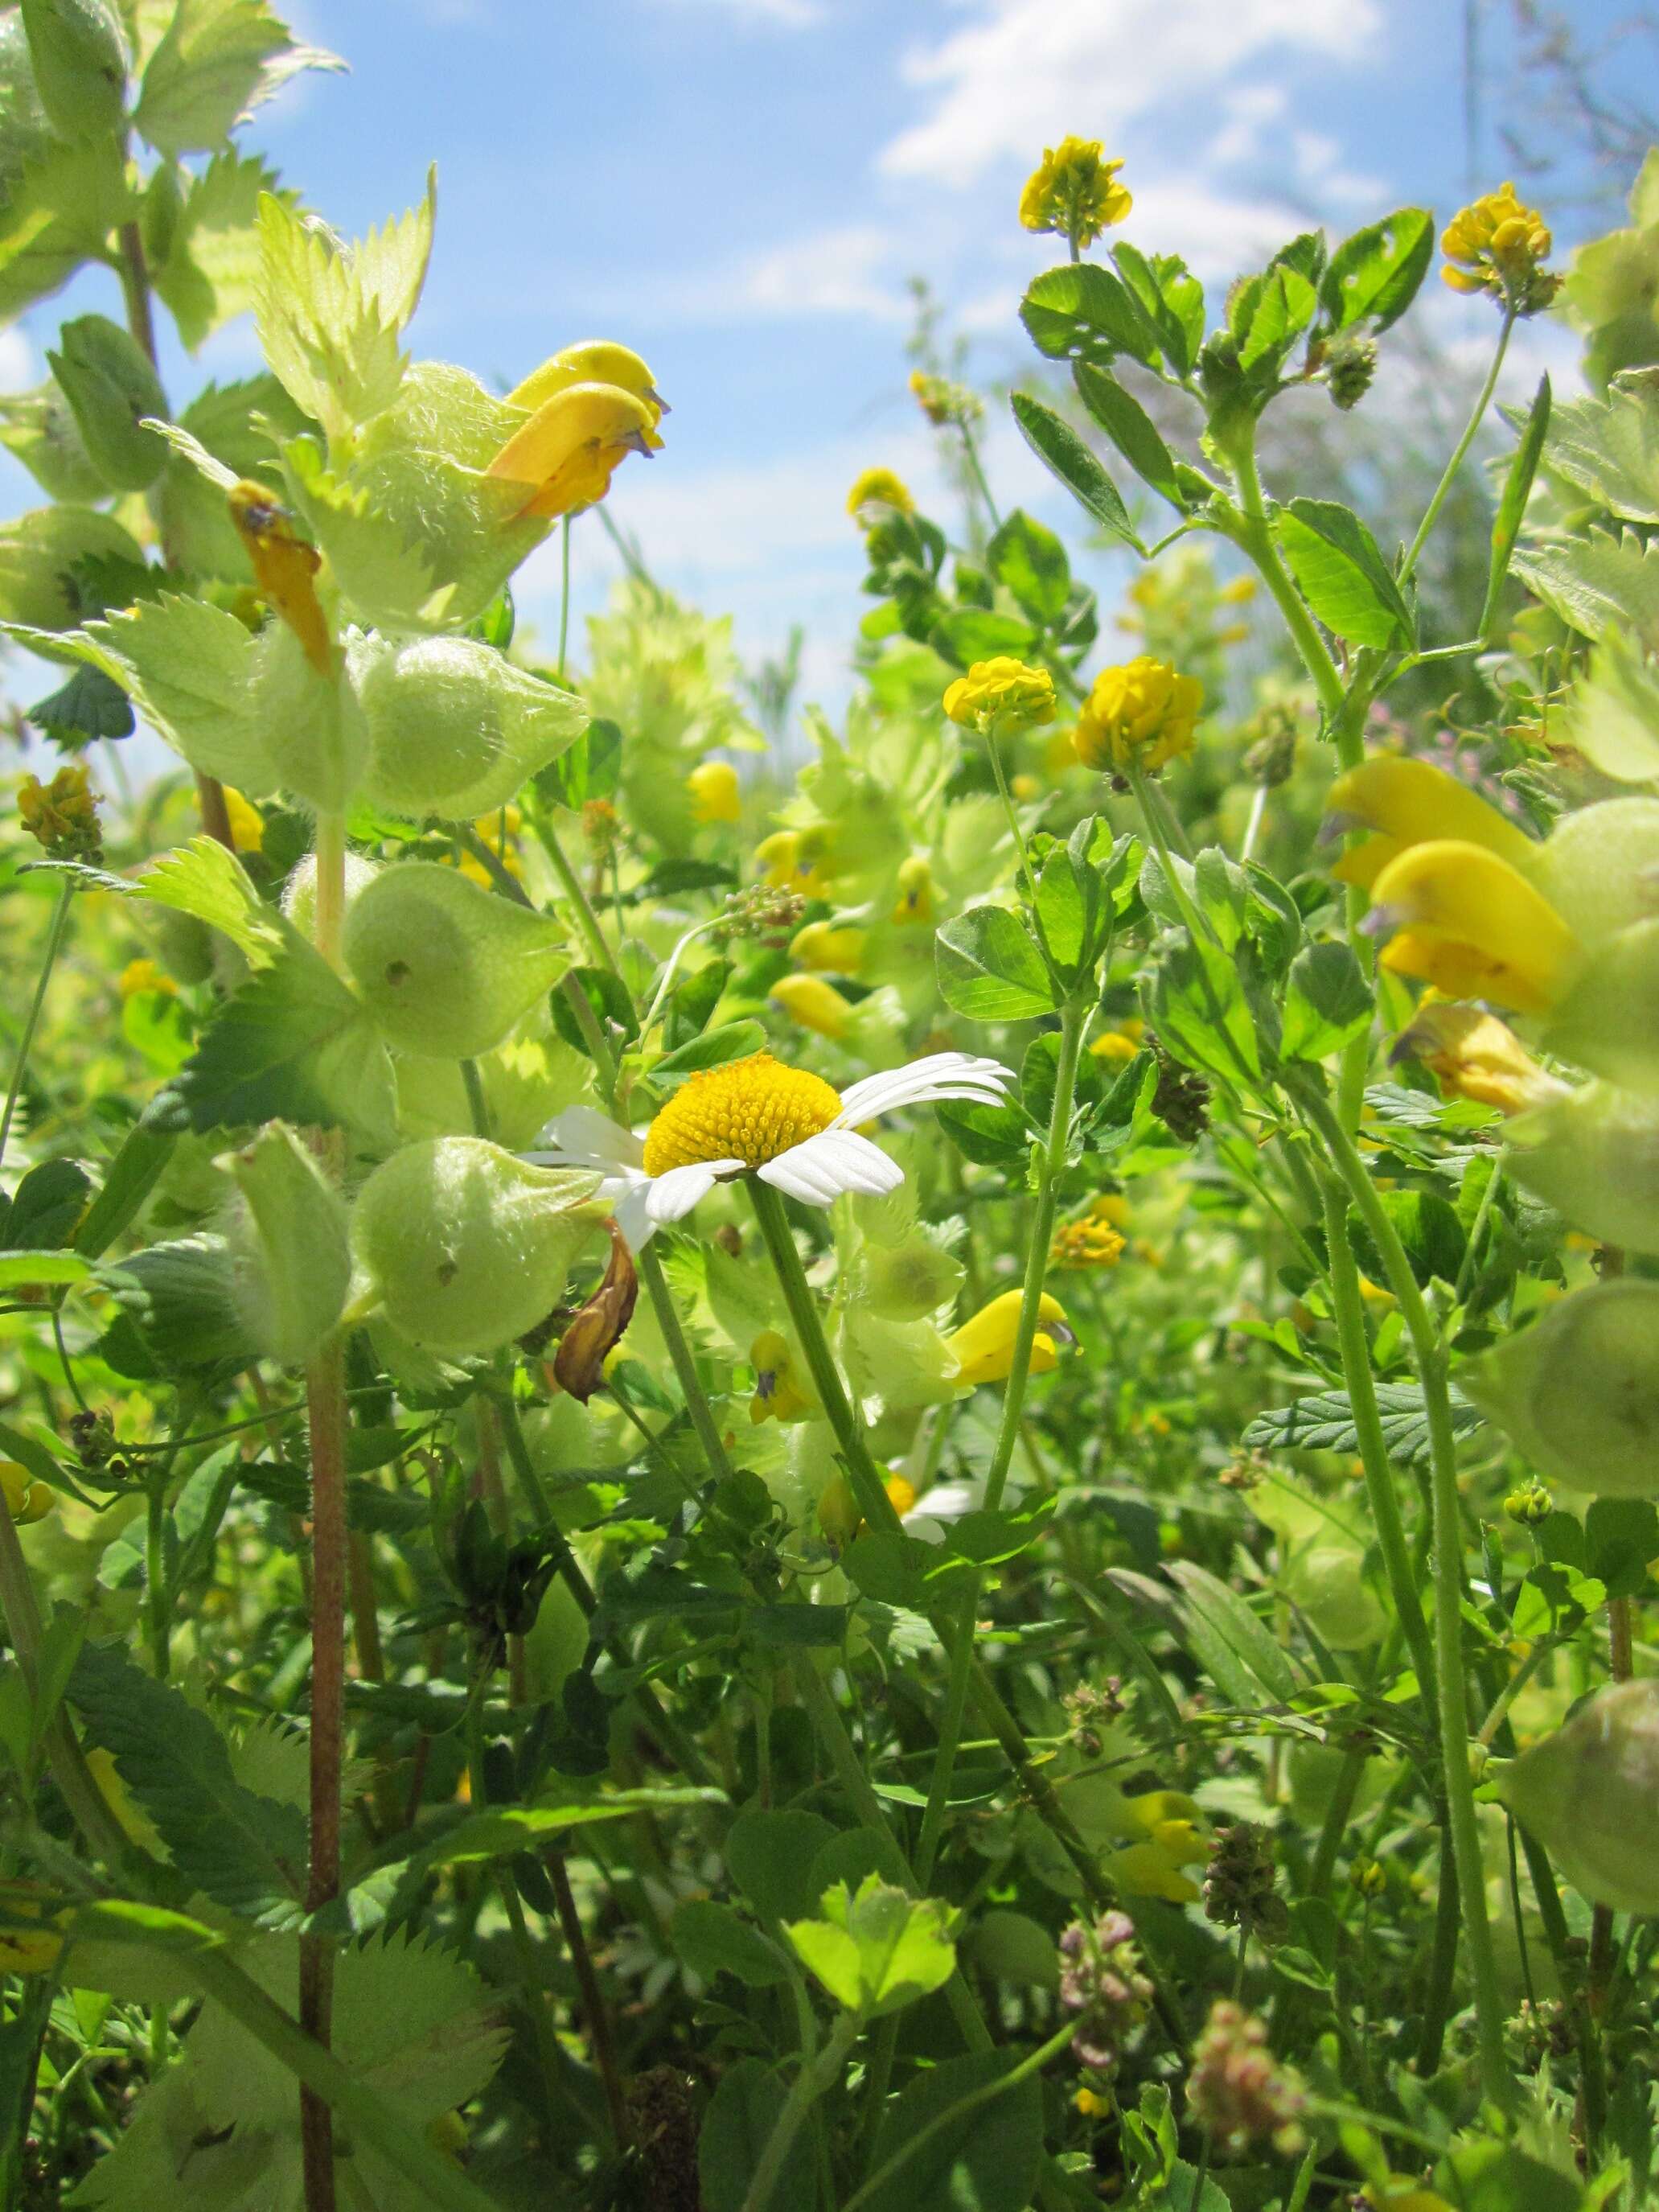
877,1949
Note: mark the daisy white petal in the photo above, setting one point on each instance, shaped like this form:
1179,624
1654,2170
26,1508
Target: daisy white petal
631,1207
940,1075
587,1138
819,1169
670,1197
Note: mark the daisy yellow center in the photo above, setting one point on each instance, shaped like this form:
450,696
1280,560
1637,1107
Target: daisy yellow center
750,1110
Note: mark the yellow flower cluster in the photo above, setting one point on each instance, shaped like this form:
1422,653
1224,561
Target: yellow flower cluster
1086,1244
1074,192
1001,694
943,402
142,975
1498,245
589,406
62,815
1139,714
876,489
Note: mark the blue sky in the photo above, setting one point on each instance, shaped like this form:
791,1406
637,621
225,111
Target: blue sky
739,189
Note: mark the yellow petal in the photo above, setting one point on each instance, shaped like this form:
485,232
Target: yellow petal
585,429
815,1004
1411,802
1465,920
590,360
984,1345
1148,1870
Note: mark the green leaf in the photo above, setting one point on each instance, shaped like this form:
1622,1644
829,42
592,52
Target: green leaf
989,968
1071,902
89,704
503,1833
28,1268
983,2159
713,1941
246,1852
205,880
292,1045
1133,431
1373,277
591,769
738,2125
41,1212
1609,448
1030,561
1061,451
219,59
714,1048
188,667
1218,1617
1081,311
1342,575
133,1173
325,329
964,634
1328,1002
1511,509
1426,1224
771,1858
1170,298
210,270
1597,583
1324,1422
179,1311
1266,315
1612,714
1195,999
878,1949
994,1136
39,554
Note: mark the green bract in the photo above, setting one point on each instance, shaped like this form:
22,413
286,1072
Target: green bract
445,967
454,729
1590,1795
1578,1392
465,1247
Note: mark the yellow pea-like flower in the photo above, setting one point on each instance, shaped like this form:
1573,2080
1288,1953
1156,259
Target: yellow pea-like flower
589,360
572,444
778,1393
984,1345
1411,802
814,1003
1462,918
827,947
916,900
27,1500
1477,1056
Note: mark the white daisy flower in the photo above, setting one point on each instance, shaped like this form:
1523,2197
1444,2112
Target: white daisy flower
758,1116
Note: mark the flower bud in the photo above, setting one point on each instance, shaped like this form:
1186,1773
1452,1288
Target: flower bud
110,384
1589,1793
1594,1156
466,1246
446,968
455,728
874,489
80,59
292,1267
1578,1392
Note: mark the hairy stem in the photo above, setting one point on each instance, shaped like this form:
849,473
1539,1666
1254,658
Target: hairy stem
48,961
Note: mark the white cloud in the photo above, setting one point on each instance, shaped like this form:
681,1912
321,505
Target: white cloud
846,271
18,367
1215,232
1027,71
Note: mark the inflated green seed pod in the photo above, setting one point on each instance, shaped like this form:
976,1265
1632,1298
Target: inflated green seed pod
1590,1795
1600,866
1594,1156
445,967
467,1247
111,386
39,428
1578,1392
1608,1020
454,729
80,58
311,727
293,1264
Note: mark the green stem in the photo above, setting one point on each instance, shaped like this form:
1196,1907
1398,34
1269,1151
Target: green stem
586,921
813,2081
954,2115
1460,450
1153,821
1021,855
1254,536
564,592
971,453
54,945
1451,1688
477,1105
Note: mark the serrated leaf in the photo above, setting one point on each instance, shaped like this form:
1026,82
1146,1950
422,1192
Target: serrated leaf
1609,448
211,268
205,879
324,330
1597,583
293,1045
1324,1422
246,1852
218,60
89,704
1341,573
188,668
1328,1002
1171,299
876,1949
1064,453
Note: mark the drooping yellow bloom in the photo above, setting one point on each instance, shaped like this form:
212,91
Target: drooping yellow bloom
27,1500
984,1345
1074,192
1086,1244
874,489
750,1110
901,1493
573,444
1498,245
1169,1840
139,976
1139,714
779,1395
1407,802
1466,922
1001,694
1477,1056
284,567
815,1004
62,815
829,948
590,360
22,1950
716,795
795,860
916,897
247,825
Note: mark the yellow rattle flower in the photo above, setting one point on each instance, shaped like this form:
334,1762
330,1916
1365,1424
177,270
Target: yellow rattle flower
566,453
27,1500
590,360
778,1395
984,1345
814,1003
1139,714
1477,1056
715,793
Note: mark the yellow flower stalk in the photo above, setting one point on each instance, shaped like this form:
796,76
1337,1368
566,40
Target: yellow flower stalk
1074,191
1001,694
814,1003
779,1395
1498,245
573,444
1476,1056
984,1345
829,948
716,794
874,488
1139,714
590,360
